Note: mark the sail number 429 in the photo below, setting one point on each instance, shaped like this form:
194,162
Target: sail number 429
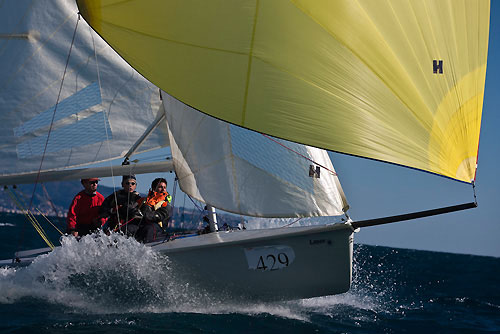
269,258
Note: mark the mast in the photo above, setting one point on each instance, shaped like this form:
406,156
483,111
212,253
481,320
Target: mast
212,219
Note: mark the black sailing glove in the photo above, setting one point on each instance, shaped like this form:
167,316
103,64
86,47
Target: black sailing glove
150,215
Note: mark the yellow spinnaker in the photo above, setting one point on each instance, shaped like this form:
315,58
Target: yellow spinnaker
397,81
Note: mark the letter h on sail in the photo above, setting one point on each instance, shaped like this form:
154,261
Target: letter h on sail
314,171
437,66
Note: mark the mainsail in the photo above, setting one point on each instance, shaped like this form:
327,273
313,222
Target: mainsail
103,108
397,81
106,107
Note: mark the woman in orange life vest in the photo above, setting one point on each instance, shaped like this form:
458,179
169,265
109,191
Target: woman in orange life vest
156,211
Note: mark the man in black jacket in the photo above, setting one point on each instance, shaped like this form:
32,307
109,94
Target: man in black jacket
121,208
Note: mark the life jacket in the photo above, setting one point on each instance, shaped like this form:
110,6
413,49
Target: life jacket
156,200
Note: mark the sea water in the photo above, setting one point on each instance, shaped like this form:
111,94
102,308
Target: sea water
113,284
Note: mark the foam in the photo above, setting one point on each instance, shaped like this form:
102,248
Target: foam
115,274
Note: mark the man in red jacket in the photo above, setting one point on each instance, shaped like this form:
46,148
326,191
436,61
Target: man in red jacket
84,210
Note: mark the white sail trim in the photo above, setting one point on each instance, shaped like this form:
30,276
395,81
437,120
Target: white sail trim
82,173
105,105
243,172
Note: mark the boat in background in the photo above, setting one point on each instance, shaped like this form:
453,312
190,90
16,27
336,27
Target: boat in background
334,75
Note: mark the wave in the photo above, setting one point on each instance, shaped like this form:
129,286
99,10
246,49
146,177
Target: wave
115,274
89,274
124,282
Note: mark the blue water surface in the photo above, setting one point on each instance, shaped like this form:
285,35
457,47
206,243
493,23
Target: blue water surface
131,290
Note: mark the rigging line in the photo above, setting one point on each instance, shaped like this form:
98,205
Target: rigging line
21,239
250,61
119,223
303,156
117,228
47,219
54,113
30,217
128,201
21,204
195,204
197,207
199,219
105,125
474,191
292,222
50,200
42,233
17,202
104,115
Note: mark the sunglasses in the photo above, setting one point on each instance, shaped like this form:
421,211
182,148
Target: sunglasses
130,183
93,182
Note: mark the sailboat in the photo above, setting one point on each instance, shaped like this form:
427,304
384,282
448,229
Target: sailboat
399,82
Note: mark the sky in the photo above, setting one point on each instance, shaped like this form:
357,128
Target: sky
376,189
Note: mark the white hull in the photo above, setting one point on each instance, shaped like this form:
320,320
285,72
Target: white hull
270,264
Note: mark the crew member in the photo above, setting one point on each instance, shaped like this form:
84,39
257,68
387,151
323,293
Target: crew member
156,211
83,214
121,207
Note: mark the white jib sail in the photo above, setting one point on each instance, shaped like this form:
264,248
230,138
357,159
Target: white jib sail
245,172
104,105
